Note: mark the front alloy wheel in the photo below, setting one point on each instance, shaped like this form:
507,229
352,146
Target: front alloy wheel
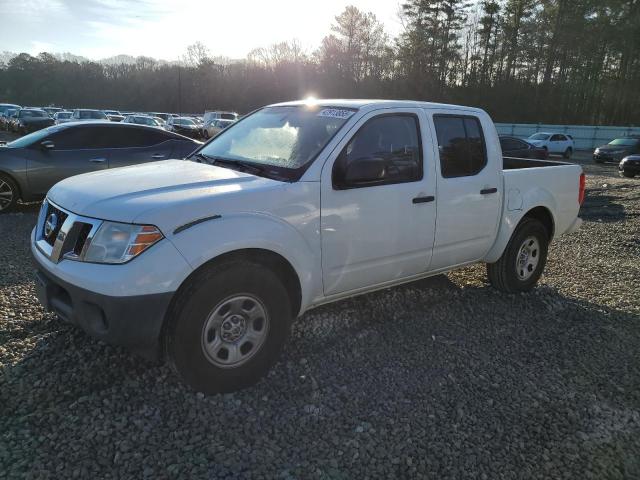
8,194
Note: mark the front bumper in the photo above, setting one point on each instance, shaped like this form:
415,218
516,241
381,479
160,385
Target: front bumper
120,304
133,322
607,157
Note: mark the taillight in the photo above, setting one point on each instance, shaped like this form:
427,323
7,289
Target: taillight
582,188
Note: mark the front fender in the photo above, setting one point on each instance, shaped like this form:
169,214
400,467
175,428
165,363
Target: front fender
208,240
515,209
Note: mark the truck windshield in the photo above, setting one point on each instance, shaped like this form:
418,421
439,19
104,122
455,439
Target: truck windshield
287,137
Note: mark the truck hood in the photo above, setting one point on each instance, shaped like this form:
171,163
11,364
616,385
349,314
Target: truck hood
165,193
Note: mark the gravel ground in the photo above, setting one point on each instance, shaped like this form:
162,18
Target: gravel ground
443,378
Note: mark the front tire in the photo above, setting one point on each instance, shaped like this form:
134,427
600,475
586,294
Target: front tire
8,194
628,174
567,153
228,326
522,263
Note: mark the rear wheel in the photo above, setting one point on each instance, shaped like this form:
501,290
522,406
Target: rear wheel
228,326
521,265
628,174
8,194
597,160
205,133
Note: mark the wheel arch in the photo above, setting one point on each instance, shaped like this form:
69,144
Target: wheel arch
544,216
542,213
267,258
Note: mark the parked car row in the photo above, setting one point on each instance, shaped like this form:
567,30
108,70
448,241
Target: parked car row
623,150
24,120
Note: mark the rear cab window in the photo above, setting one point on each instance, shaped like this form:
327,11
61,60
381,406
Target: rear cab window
461,145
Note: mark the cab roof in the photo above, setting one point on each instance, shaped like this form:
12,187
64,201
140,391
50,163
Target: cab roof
372,104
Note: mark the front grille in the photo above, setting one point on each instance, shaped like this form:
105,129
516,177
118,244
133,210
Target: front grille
62,234
60,218
83,234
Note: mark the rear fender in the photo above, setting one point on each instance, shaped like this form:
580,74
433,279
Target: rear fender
515,209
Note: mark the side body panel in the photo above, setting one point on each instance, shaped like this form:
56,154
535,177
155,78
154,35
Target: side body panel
123,157
287,223
554,188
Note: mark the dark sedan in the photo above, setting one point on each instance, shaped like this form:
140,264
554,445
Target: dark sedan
184,126
30,119
515,147
630,166
31,165
617,149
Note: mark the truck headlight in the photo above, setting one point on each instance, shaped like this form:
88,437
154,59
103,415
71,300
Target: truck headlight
120,242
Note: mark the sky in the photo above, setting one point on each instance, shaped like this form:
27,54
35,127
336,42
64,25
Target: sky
164,28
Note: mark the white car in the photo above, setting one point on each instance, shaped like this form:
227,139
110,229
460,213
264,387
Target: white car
219,115
62,117
207,262
554,143
144,120
88,115
215,126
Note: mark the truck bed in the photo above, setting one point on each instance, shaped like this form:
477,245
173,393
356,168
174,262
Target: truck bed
513,163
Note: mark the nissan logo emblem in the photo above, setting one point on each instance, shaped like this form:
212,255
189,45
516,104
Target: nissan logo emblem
50,225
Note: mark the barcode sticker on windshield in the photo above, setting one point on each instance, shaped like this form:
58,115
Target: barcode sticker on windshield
335,113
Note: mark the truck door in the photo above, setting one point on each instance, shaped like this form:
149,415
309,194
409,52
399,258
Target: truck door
378,202
469,188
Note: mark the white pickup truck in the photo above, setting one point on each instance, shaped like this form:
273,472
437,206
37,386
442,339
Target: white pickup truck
206,262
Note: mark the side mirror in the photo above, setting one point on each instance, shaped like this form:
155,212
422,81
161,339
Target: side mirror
361,171
47,145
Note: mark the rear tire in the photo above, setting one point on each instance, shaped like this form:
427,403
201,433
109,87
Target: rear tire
628,174
522,262
596,160
9,194
228,326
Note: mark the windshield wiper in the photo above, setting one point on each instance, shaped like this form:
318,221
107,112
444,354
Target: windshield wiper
242,165
203,157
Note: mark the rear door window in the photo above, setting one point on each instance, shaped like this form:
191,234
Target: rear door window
92,137
133,137
461,145
78,138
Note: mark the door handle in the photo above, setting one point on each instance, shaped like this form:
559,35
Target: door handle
157,155
98,160
487,191
428,199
